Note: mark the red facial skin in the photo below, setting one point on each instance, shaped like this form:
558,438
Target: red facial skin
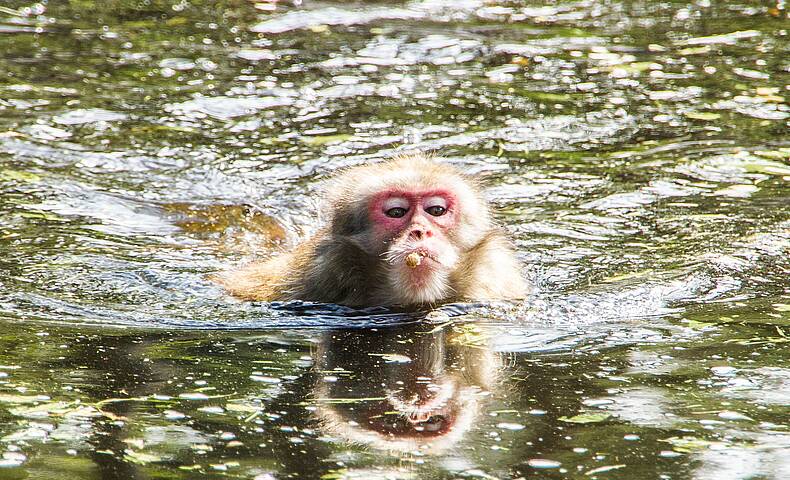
417,225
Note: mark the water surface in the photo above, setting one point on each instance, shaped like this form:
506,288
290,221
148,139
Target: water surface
637,152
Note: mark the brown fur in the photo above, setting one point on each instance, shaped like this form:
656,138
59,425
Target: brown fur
342,264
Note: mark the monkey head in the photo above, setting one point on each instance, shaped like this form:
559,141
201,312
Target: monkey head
412,217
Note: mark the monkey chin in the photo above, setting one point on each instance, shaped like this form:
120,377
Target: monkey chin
426,283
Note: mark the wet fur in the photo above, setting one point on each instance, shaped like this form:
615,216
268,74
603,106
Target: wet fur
341,264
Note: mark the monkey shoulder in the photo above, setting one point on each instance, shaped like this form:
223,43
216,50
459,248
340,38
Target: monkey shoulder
261,280
277,278
491,271
339,271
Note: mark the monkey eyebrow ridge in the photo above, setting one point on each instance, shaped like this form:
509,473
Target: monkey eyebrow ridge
395,202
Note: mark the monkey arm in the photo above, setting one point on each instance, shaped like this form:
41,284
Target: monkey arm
340,272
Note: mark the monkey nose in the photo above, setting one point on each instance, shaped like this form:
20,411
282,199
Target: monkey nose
418,233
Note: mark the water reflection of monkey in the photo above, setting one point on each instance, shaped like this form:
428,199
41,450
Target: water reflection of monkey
404,389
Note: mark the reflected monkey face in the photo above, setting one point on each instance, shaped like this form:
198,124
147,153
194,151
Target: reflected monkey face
422,410
401,395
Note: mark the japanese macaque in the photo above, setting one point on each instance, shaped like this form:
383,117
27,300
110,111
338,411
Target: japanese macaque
407,232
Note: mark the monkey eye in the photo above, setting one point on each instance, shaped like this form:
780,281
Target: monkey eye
396,212
436,210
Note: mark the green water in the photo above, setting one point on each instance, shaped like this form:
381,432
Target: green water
637,152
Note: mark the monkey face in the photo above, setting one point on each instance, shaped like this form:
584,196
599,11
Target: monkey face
414,228
422,218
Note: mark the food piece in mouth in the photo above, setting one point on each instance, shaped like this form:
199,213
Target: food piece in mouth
413,259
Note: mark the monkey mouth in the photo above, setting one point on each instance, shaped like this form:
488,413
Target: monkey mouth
426,255
418,281
414,258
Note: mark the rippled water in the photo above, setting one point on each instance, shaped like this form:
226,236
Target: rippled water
637,152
